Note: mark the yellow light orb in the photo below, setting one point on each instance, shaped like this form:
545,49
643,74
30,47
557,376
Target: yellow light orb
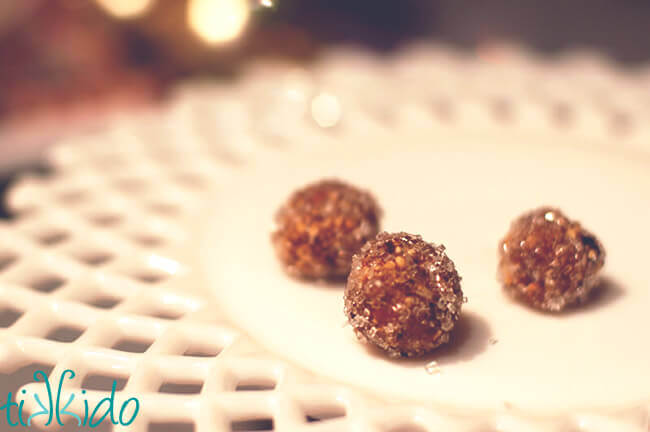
216,21
125,8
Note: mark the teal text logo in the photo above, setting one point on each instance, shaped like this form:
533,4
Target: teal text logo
55,409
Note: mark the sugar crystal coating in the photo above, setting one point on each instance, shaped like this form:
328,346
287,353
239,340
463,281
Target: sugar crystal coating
549,261
321,226
403,294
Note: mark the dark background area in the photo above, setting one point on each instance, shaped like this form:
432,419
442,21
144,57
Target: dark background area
69,52
4,182
618,28
66,51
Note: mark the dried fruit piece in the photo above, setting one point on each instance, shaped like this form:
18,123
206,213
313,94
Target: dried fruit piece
403,294
549,261
321,227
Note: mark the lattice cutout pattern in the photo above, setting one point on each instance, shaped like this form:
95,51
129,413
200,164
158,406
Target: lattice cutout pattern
94,272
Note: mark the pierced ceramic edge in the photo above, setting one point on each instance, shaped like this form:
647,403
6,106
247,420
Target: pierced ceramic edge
39,201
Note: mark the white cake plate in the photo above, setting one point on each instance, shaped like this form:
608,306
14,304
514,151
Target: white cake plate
150,245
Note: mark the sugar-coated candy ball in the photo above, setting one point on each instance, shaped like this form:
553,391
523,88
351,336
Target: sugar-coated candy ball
549,261
321,226
403,294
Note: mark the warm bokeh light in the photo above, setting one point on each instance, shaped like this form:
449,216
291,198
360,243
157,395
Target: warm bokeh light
125,8
216,21
326,110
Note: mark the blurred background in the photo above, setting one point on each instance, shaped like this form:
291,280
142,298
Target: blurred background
66,65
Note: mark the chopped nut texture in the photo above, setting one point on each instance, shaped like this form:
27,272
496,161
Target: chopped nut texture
403,294
549,261
321,227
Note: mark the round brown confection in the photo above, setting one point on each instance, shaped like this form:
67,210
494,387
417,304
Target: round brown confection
549,261
321,227
403,294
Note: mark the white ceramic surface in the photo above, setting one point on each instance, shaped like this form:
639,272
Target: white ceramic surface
461,194
179,205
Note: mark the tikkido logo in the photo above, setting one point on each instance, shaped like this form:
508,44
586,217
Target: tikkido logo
54,412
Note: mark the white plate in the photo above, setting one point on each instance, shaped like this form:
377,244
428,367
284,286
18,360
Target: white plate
181,203
462,194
